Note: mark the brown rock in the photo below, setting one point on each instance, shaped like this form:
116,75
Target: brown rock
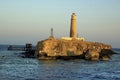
105,58
92,54
53,48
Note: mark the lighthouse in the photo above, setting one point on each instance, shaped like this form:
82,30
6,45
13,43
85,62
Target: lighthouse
73,30
73,33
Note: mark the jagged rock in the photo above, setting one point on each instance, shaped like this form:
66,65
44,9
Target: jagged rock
92,54
105,54
59,48
105,58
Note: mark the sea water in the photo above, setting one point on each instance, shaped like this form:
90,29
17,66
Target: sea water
13,67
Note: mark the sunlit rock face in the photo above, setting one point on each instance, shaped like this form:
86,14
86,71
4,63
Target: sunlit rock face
52,48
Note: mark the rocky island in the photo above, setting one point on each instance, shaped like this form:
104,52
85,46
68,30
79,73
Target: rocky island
72,47
52,48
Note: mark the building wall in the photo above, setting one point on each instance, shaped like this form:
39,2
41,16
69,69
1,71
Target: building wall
69,38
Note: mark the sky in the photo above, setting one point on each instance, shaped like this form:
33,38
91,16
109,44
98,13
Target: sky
29,21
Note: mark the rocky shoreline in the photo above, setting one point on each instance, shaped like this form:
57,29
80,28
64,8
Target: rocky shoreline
53,48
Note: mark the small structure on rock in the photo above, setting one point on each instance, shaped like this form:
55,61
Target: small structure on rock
73,26
51,36
73,31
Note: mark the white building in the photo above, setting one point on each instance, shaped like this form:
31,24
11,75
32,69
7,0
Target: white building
69,38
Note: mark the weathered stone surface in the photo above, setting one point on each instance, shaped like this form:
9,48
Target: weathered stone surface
105,58
92,54
57,48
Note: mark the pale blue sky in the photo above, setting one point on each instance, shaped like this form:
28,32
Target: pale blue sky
23,21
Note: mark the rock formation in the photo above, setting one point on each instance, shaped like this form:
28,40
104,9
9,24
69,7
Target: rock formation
52,48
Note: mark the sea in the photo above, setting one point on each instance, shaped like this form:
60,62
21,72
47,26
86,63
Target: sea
14,67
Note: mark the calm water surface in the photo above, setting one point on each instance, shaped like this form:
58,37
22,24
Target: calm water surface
13,67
